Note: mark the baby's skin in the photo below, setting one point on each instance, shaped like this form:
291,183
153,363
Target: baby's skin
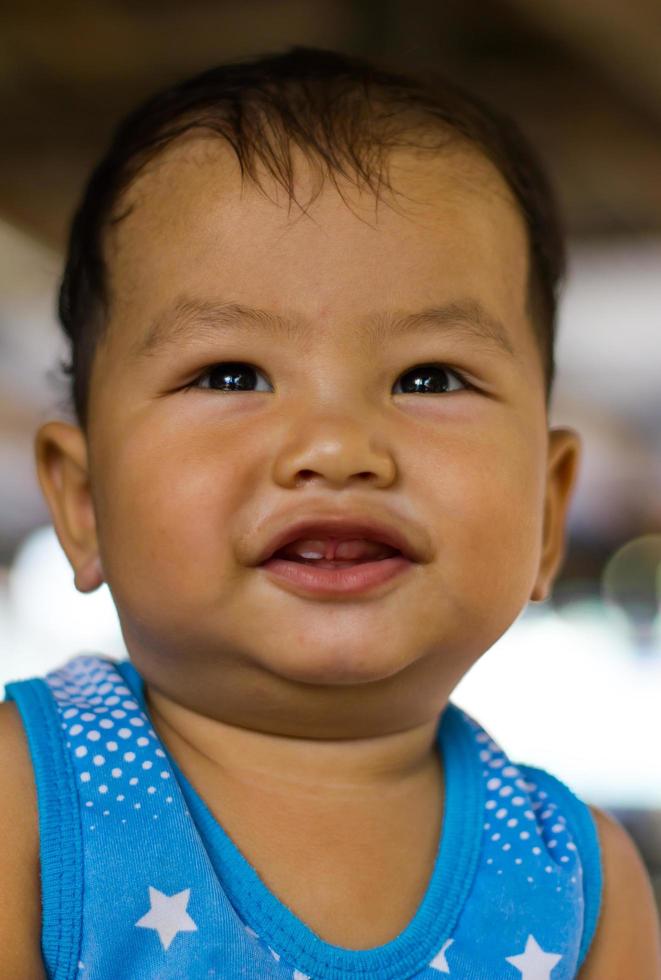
312,718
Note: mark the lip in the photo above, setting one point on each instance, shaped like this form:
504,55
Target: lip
342,528
329,582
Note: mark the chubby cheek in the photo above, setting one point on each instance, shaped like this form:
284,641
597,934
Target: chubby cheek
489,500
165,522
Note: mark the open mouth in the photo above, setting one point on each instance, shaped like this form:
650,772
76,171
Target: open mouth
336,567
323,563
334,553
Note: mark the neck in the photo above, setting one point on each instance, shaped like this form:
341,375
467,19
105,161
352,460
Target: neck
309,765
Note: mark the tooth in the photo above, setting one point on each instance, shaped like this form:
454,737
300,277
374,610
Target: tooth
306,548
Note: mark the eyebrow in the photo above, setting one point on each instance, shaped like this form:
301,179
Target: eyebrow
187,317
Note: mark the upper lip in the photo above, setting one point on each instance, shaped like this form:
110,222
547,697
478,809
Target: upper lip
344,527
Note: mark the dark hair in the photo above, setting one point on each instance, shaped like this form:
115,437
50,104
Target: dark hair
345,114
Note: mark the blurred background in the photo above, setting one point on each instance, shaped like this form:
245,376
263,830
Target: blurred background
575,684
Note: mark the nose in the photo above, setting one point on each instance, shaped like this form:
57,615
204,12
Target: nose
336,452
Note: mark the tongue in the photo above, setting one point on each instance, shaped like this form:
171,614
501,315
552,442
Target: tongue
332,550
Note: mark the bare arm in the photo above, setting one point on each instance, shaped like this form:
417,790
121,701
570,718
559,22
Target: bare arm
626,943
20,894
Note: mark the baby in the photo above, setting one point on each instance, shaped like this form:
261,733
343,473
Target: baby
311,308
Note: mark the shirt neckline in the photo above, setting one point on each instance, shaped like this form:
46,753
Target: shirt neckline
431,926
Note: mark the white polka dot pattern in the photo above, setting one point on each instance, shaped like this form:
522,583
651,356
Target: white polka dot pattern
523,832
119,763
140,842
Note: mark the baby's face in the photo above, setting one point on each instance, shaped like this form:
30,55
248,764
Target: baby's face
190,482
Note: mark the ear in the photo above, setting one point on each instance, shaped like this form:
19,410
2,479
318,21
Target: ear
564,454
62,469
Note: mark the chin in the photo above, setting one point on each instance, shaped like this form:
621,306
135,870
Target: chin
316,664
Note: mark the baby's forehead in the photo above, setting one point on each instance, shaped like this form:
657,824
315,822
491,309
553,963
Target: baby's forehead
194,192
408,180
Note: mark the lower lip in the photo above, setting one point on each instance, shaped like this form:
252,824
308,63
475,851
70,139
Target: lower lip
352,580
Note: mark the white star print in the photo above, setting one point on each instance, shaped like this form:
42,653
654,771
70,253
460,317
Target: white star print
534,963
439,962
167,915
300,976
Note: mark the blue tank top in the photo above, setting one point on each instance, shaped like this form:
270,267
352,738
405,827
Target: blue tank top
139,880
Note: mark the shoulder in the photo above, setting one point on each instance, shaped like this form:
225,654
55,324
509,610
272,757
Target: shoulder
626,942
18,811
20,895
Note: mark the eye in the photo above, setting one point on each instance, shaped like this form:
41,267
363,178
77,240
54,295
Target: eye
229,376
238,376
430,379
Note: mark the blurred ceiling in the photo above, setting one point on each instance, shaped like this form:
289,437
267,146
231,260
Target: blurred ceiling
582,78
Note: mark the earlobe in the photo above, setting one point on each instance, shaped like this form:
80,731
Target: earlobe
89,576
564,456
62,468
